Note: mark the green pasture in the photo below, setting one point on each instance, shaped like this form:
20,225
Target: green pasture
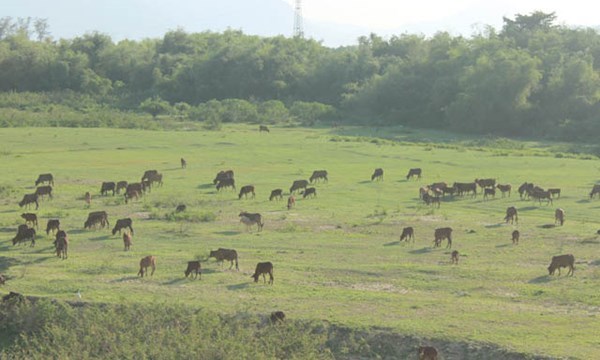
336,257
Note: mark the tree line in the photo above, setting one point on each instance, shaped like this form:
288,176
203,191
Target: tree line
530,78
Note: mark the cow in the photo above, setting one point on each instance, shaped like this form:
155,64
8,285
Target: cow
485,183
148,261
298,184
122,224
106,187
30,199
62,245
448,190
224,183
423,190
560,262
52,225
595,190
155,179
127,241
559,216
222,175
524,189
318,175
489,192
377,174
225,254
2,279
441,234
414,172
512,215
42,178
408,233
291,202
515,237
277,193
253,218
148,174
139,187
262,128
121,185
30,218
180,208
554,191
131,194
263,268
431,200
183,163
538,194
41,191
24,233
308,192
427,353
462,188
245,190
437,185
504,189
454,257
95,218
277,316
194,268
88,198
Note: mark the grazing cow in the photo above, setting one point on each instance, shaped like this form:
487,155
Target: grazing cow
62,245
106,187
193,268
485,183
180,208
253,218
441,234
595,190
277,316
127,241
139,187
262,269
148,175
408,233
155,179
2,279
226,183
559,216
222,175
24,233
554,191
183,163
95,218
42,178
431,200
291,202
309,191
298,184
122,224
262,128
515,237
377,174
245,190
277,193
225,254
437,185
88,198
148,261
504,189
560,262
454,257
448,190
511,214
318,175
427,353
489,192
41,191
423,190
30,199
524,189
462,188
131,194
121,185
538,194
52,225
414,172
30,218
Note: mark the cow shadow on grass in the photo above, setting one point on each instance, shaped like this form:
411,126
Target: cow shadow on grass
76,231
8,230
7,262
595,262
503,245
583,201
392,243
365,182
228,233
205,186
547,226
241,286
41,259
590,241
8,211
540,279
493,226
125,278
98,238
176,281
424,250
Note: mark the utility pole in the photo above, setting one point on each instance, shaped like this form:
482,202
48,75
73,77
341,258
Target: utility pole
298,28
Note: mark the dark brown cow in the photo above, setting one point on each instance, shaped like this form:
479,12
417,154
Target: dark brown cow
462,188
485,183
62,246
24,233
595,190
504,189
29,199
180,208
414,172
245,190
524,189
121,185
222,175
560,262
123,224
252,218
540,195
106,187
139,187
427,353
52,225
193,268
148,174
489,192
262,128
95,218
127,241
438,185
277,316
515,237
559,216
298,184
512,215
441,234
454,257
88,198
318,175
224,183
291,202
131,194
377,174
30,218
155,179
42,178
277,193
408,233
450,190
431,200
145,263
42,191
554,191
225,254
264,268
308,192
183,163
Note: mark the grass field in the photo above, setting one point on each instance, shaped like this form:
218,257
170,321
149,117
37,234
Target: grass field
336,257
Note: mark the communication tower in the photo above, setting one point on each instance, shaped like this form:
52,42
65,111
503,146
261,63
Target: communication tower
298,28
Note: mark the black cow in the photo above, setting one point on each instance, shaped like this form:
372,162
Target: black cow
262,128
408,233
225,254
377,174
52,225
193,268
308,192
245,190
277,193
139,187
180,208
441,234
148,174
95,218
277,316
30,199
427,353
222,175
42,178
121,185
318,175
224,183
106,187
414,172
183,163
24,233
252,218
298,184
262,269
123,224
30,218
44,190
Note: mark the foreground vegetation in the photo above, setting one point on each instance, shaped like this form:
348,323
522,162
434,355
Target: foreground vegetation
337,257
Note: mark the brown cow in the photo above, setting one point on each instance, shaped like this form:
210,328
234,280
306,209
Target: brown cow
277,316
595,190
262,269
30,199
123,224
515,237
88,198
95,218
454,257
30,218
155,179
512,215
448,190
291,202
408,233
462,188
560,262
414,172
559,216
377,175
277,193
504,189
489,192
42,178
121,185
438,185
431,200
309,191
106,187
422,191
298,184
131,194
62,245
139,187
485,183
127,241
183,163
318,175
148,261
441,234
44,190
554,191
262,128
245,190
222,175
427,353
225,254
52,225
250,219
193,268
